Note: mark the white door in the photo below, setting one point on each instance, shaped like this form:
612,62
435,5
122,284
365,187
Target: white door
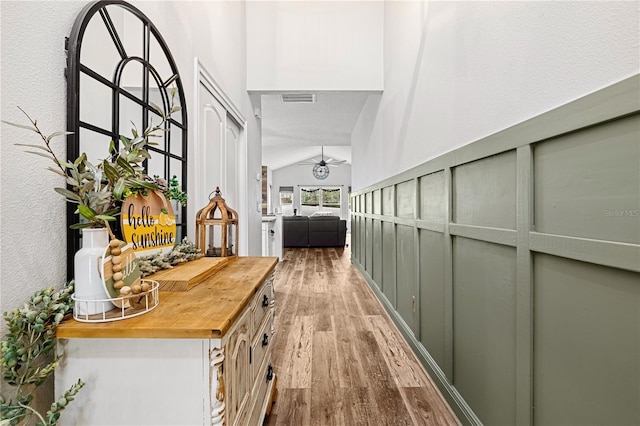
212,133
220,154
232,138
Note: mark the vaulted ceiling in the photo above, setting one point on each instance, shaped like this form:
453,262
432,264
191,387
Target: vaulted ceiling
296,131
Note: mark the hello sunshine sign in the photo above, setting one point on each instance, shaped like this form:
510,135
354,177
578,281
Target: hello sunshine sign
148,223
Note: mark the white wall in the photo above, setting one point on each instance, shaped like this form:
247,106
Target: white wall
297,176
314,45
32,216
459,71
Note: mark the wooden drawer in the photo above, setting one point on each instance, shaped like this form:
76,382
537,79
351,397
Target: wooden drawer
238,384
261,391
262,303
261,345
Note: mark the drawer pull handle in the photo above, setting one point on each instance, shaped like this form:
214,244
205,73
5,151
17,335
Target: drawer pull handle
265,340
269,373
265,301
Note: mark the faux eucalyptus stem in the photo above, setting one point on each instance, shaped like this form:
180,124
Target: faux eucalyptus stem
47,140
29,358
98,189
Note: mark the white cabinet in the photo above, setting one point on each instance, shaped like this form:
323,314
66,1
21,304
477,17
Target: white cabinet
248,370
272,236
137,373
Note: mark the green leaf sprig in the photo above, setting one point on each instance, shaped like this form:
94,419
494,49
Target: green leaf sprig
29,356
99,189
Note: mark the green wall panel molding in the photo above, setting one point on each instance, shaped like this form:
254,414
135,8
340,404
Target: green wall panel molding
363,238
405,200
485,192
377,202
432,296
406,289
512,265
484,329
432,201
524,287
588,185
607,253
377,252
369,246
389,262
430,226
388,207
507,237
586,344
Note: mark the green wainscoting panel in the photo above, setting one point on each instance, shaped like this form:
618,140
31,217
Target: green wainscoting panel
352,239
369,246
586,344
432,200
388,205
363,239
389,261
588,185
406,199
377,253
523,253
432,295
377,202
355,237
484,331
484,192
406,291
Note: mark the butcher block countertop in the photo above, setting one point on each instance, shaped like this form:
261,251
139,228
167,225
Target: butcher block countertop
206,310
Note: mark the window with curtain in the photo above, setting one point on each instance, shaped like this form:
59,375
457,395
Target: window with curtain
310,197
331,197
286,200
320,199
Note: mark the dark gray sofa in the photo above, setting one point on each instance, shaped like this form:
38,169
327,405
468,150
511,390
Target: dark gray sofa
295,231
317,231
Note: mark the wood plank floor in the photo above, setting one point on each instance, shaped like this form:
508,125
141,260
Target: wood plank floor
338,357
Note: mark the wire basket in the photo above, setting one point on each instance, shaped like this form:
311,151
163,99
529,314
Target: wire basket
125,307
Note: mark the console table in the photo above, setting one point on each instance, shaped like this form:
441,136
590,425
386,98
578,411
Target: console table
201,357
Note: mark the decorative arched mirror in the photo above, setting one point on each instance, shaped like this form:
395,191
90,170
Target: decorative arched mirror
119,72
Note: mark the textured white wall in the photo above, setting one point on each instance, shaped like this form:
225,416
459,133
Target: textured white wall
32,215
33,219
314,45
456,72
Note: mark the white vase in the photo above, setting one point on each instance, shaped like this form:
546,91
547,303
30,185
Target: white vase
88,277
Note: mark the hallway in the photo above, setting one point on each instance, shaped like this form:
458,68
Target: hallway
339,358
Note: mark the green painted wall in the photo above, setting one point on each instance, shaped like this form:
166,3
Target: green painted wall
512,265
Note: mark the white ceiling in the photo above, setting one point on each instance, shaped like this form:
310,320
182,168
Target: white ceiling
293,132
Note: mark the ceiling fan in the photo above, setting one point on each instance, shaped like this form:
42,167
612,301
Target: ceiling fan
321,167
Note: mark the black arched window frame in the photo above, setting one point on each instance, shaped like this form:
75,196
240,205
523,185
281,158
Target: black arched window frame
75,69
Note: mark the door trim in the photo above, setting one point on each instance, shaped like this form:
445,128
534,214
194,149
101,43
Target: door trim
202,76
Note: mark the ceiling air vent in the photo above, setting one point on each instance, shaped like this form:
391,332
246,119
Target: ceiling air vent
298,98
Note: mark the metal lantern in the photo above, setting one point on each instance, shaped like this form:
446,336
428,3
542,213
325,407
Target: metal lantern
217,228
